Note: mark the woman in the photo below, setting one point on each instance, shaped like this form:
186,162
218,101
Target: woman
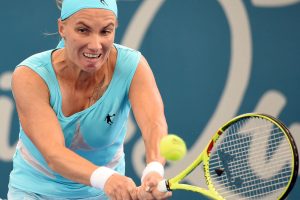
73,104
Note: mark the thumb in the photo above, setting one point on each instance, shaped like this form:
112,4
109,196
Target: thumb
149,186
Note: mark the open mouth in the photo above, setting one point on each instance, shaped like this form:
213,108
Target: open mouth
91,56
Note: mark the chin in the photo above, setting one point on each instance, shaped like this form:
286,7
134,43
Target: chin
91,67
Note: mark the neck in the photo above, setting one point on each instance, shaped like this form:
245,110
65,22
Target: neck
65,70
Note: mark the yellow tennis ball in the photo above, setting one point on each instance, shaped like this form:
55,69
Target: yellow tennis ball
172,147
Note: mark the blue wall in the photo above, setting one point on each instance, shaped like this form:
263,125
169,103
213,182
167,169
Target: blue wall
212,60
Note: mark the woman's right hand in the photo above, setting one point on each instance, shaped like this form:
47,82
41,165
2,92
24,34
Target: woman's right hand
119,187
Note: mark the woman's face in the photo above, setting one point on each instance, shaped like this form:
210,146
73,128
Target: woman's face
89,35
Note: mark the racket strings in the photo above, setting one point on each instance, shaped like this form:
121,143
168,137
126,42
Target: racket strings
251,186
262,191
237,151
242,167
232,138
242,153
280,156
242,146
254,154
266,186
234,141
251,178
239,126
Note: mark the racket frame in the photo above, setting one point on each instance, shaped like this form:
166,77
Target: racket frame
174,183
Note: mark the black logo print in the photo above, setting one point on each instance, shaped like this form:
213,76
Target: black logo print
108,119
103,2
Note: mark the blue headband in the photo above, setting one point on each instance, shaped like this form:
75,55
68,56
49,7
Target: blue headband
69,7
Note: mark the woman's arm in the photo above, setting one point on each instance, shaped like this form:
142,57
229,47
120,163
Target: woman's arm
148,110
41,125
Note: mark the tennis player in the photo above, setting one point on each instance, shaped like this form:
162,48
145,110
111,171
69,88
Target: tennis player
73,104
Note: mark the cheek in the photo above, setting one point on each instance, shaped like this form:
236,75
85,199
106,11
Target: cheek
74,45
108,44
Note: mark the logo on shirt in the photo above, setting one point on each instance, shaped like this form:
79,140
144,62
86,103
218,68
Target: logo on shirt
108,119
103,2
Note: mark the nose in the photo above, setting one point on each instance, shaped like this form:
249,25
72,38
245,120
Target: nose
95,43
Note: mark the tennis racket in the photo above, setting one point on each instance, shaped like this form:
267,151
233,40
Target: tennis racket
253,156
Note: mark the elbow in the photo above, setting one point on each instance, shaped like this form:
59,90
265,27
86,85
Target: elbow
53,159
51,164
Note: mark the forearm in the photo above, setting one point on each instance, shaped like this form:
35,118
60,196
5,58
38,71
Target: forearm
152,135
71,166
148,109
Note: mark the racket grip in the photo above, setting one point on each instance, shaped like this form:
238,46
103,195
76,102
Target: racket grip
162,186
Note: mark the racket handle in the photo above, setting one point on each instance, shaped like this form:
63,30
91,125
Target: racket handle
162,186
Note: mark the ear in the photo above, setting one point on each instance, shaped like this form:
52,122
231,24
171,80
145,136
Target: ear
61,28
117,23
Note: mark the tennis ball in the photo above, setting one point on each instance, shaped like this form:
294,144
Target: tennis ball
172,147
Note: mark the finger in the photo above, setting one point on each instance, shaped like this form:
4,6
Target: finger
110,195
125,196
142,194
148,188
167,195
133,194
139,193
161,195
118,195
129,192
150,185
132,190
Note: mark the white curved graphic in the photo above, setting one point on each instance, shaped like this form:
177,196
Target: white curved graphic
295,131
274,3
235,87
140,22
237,81
5,81
239,70
272,103
7,110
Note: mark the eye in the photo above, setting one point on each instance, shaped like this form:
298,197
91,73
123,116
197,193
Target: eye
106,31
82,30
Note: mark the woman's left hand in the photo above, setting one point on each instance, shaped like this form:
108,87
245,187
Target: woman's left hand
148,190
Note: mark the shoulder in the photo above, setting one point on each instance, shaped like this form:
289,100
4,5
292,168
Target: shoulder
30,74
124,48
37,59
25,76
27,84
126,51
127,57
39,64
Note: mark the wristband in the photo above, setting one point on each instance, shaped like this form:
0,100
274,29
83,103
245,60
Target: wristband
153,167
100,176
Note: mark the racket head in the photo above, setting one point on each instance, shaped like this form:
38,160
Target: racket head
252,156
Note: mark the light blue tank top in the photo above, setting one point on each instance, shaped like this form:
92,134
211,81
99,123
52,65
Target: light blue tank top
96,133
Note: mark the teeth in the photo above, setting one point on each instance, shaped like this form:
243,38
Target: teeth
89,55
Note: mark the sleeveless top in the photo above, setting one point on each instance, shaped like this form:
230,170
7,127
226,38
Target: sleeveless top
96,133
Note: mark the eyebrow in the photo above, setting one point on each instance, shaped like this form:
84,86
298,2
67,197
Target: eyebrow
82,23
110,24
